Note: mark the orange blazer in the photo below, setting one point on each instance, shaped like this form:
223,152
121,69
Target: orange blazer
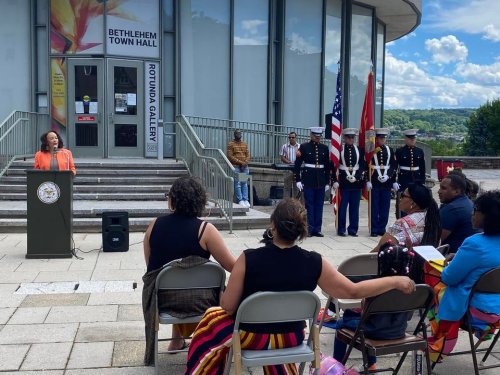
64,160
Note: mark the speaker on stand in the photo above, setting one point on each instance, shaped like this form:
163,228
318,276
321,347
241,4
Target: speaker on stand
115,231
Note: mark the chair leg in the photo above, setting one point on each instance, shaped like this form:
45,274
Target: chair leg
473,350
229,360
400,363
328,301
495,339
157,365
428,360
238,368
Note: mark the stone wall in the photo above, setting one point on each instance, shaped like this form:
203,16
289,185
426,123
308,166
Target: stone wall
263,178
471,162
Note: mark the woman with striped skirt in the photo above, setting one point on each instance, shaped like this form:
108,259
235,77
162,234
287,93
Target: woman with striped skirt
280,265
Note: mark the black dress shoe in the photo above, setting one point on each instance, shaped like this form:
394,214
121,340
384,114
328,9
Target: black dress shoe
319,234
342,234
353,235
374,235
309,235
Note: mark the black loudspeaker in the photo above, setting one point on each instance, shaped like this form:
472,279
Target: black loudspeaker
115,231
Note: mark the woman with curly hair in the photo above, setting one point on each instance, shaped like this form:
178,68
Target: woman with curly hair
477,255
53,155
278,266
179,235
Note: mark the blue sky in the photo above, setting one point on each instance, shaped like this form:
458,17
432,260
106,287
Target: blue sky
452,60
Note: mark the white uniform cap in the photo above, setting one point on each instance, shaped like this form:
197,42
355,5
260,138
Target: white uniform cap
410,132
382,131
316,130
350,131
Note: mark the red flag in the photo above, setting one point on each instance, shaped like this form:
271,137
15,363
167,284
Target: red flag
367,128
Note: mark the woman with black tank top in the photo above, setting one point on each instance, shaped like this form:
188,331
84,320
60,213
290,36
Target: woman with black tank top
280,265
181,234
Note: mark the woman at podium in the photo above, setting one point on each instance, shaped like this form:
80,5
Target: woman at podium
53,155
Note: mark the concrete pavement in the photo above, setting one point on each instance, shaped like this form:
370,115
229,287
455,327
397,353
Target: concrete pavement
83,316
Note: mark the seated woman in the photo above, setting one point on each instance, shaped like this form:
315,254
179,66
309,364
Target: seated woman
421,225
477,255
392,260
174,236
53,155
277,266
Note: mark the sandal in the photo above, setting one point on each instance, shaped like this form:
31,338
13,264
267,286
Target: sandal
328,317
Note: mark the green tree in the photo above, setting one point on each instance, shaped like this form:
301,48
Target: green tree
483,137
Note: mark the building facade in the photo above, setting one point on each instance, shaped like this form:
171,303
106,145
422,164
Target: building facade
107,71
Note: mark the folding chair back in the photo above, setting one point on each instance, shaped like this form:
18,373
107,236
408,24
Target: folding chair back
357,268
208,275
393,301
489,282
274,307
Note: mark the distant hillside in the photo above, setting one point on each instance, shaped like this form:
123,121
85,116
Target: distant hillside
430,122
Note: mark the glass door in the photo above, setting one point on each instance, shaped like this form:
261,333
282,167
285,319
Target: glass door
85,107
125,108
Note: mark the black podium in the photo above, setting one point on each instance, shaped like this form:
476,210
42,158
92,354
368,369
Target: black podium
50,214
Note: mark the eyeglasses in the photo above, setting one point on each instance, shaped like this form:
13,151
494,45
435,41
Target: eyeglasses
406,196
292,137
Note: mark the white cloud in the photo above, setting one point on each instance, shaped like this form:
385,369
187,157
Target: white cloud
469,16
408,86
481,74
491,33
252,25
446,50
299,44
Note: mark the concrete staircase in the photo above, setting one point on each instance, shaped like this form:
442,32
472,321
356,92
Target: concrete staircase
133,185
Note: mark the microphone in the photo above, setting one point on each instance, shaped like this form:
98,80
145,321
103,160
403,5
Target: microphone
54,150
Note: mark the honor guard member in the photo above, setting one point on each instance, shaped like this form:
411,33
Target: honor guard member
313,178
381,180
411,163
351,176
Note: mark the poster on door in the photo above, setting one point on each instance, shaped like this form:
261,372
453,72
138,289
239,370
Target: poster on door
133,29
152,107
58,92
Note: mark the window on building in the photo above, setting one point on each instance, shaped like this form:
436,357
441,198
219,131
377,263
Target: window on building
333,39
379,76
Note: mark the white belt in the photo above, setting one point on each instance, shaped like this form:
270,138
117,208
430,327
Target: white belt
344,168
409,168
378,167
314,165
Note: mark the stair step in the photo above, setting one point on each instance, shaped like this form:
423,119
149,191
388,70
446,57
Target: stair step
6,189
256,220
114,172
132,180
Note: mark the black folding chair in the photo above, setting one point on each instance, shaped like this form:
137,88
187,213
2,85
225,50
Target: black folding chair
489,282
393,301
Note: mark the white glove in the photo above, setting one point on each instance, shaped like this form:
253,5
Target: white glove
327,187
369,185
335,185
299,185
395,186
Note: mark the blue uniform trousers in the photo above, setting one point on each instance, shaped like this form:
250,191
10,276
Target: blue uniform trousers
349,198
380,205
314,200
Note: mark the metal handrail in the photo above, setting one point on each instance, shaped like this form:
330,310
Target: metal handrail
265,140
18,136
206,164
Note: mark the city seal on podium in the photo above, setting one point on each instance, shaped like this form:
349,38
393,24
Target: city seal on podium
48,192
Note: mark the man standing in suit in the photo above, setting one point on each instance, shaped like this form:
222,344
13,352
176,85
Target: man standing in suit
411,164
352,169
314,178
381,180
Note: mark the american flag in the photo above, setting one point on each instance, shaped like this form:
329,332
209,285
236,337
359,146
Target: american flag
335,145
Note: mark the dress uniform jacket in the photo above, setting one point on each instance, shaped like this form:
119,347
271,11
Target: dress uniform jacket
411,166
315,159
385,158
351,160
